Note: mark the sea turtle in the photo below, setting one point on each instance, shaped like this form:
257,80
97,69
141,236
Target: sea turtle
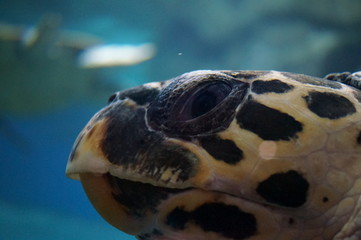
227,155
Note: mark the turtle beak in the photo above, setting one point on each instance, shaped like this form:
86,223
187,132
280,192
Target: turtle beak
118,141
89,164
86,156
117,157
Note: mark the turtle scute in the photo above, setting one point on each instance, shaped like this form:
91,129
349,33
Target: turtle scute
223,155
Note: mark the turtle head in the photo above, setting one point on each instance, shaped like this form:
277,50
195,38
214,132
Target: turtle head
214,155
138,151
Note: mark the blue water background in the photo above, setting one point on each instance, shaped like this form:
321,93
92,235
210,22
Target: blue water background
37,201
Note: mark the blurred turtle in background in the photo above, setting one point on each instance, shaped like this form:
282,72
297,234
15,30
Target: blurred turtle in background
45,68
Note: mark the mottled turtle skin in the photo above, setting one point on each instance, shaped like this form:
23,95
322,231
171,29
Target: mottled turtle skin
220,155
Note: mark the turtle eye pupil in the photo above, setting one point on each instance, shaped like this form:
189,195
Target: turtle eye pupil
203,103
204,100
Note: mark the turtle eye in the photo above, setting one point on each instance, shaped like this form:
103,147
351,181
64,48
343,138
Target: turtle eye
196,103
202,100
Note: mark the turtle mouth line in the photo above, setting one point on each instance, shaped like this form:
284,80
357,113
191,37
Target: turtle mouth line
124,186
139,196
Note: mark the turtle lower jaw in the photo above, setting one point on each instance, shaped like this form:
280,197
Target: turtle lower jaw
143,209
127,205
189,213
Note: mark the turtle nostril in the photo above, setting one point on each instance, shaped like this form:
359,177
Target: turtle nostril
112,98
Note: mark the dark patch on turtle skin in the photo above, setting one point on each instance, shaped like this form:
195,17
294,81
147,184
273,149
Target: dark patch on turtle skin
130,144
358,139
291,221
147,236
287,189
313,80
222,150
141,95
329,105
348,78
171,156
178,218
267,123
271,86
338,77
226,220
173,112
139,198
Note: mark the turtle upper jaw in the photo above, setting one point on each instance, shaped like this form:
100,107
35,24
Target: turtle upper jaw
117,140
